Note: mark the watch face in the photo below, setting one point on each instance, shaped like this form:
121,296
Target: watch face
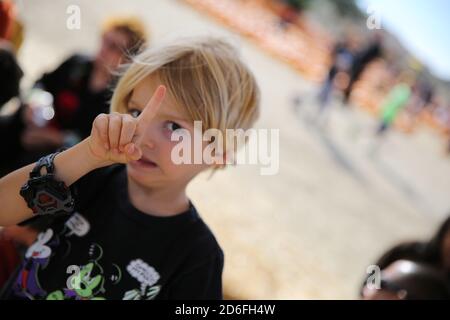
45,195
45,202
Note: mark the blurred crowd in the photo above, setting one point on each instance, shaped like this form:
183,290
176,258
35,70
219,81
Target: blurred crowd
403,90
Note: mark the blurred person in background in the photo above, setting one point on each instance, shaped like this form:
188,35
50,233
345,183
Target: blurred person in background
11,37
342,58
10,124
396,100
438,248
59,111
361,61
10,73
409,280
435,252
426,93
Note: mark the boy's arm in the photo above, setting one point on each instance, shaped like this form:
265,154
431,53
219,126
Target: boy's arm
115,138
70,165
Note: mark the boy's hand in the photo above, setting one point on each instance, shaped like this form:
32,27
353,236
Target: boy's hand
116,137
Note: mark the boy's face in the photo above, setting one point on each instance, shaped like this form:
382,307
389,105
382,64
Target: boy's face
156,167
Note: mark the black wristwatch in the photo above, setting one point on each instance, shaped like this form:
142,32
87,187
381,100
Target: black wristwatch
43,193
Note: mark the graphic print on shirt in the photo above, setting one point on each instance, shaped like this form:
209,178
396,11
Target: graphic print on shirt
84,286
88,283
147,277
88,277
78,225
36,258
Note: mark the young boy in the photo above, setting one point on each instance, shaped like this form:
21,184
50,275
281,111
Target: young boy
133,232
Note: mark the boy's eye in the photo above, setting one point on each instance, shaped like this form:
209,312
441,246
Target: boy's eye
172,126
134,112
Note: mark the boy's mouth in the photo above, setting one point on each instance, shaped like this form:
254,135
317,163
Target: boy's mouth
146,163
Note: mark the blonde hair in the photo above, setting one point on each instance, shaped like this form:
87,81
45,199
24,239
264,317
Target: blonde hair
205,76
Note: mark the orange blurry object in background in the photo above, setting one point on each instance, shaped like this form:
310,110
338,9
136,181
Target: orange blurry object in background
7,16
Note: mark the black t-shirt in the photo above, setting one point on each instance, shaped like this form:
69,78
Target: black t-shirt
108,249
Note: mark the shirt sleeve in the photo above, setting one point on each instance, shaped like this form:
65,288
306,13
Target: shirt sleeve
201,282
86,189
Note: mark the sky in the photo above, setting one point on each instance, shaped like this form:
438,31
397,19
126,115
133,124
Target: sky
422,26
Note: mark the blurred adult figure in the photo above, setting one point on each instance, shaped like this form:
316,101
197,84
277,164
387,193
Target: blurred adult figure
342,59
64,103
361,61
396,100
10,73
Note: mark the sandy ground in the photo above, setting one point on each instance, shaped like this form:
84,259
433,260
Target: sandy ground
311,230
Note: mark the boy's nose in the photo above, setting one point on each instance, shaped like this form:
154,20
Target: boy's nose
149,138
150,144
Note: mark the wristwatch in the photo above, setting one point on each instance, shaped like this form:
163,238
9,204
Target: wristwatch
43,193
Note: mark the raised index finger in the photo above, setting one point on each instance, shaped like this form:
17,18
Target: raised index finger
152,106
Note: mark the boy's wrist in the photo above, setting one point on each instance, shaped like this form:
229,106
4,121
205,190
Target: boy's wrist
92,160
75,162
